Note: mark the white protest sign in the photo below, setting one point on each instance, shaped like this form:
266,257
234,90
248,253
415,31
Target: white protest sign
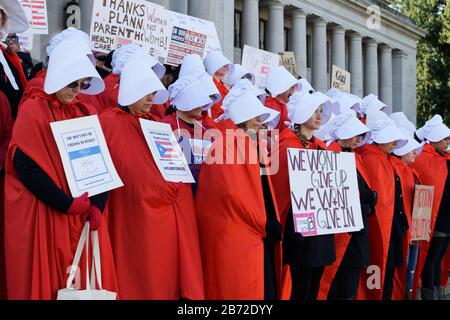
190,35
421,215
85,156
120,22
26,40
340,79
324,192
36,12
259,62
166,151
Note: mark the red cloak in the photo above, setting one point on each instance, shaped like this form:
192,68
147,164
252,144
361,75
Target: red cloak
152,223
38,83
278,105
14,59
6,124
407,181
216,109
40,242
110,97
381,175
232,219
432,169
341,239
280,180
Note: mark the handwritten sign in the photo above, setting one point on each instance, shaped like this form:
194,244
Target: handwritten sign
259,62
340,79
324,192
85,156
190,35
166,152
287,60
36,12
421,216
117,23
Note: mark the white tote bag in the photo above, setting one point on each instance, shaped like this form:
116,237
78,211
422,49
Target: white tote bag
90,293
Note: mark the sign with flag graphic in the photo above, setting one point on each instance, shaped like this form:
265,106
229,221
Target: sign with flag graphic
166,152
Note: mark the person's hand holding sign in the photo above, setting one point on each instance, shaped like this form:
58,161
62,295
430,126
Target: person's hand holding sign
79,205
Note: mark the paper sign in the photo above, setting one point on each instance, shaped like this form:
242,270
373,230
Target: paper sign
421,216
117,23
190,35
166,152
259,62
287,60
324,192
85,156
26,40
340,79
36,12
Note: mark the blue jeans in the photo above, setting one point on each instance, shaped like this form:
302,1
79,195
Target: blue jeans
411,265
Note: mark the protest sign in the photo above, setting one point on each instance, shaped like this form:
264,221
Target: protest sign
259,62
26,40
421,215
287,60
36,12
120,22
340,79
166,151
190,35
85,156
324,192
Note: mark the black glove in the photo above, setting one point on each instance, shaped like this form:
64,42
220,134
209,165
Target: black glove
274,231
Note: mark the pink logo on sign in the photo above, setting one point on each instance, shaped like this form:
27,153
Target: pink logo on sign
265,70
305,223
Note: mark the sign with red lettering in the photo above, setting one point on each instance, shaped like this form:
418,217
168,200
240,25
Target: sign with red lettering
324,192
119,22
36,12
421,216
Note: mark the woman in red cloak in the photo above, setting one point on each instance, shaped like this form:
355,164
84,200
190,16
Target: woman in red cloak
189,99
306,256
42,221
433,167
340,281
239,227
387,228
152,222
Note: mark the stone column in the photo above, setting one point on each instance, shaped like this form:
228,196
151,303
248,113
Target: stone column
250,23
386,75
299,41
338,46
399,81
319,55
275,36
371,71
355,63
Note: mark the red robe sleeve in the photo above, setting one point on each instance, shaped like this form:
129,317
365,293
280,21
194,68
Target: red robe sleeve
6,125
216,109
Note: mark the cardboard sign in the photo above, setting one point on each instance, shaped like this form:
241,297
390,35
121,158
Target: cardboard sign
190,35
117,23
26,40
340,79
421,216
166,152
324,192
259,62
287,60
85,156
